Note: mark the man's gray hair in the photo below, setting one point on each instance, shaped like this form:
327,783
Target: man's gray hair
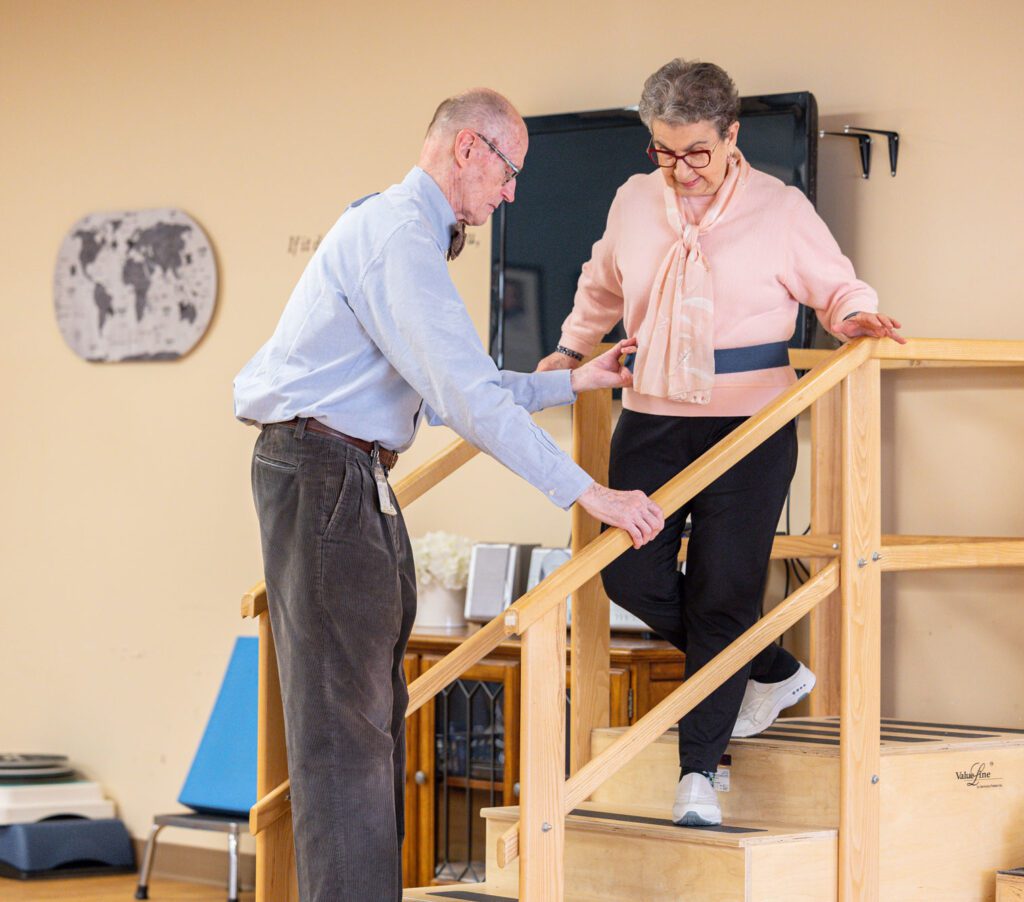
480,109
685,91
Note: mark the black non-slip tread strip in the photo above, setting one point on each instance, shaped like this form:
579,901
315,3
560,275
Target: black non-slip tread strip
1013,872
775,733
931,735
472,897
955,726
990,732
660,821
817,740
834,728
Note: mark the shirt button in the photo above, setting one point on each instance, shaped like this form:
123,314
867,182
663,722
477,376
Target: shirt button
551,492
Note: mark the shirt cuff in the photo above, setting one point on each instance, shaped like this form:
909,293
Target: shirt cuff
568,483
556,388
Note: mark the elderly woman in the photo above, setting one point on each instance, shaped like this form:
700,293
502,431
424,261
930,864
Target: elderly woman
705,260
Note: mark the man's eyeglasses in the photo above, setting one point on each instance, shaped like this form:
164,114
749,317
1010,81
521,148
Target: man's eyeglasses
511,170
695,159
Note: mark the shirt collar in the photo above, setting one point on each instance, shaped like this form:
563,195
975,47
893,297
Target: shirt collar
440,215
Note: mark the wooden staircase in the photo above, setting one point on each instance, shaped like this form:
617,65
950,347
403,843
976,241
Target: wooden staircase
952,798
922,812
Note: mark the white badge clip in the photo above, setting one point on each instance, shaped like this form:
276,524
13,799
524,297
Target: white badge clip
381,478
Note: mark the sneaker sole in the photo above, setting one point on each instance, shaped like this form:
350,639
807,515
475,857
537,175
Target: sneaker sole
785,703
694,819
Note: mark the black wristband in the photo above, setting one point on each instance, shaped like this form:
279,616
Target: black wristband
852,315
569,352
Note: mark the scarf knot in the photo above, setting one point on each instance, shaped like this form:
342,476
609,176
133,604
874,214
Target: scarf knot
676,354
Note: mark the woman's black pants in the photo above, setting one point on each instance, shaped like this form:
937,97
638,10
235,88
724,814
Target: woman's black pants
733,526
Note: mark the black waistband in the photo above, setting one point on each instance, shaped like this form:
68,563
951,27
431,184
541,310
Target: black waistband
743,360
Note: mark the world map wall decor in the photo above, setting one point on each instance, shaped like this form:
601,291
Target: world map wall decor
134,285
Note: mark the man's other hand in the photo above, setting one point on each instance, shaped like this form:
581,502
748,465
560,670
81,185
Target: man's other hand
632,511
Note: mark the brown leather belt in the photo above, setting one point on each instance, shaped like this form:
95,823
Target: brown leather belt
387,458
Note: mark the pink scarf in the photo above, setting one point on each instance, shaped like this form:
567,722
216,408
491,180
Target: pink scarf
676,354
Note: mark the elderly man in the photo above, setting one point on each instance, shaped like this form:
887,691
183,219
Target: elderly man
374,336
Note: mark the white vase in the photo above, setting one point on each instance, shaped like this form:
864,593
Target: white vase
440,608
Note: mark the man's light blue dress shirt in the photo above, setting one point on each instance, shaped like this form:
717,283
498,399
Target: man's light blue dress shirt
375,328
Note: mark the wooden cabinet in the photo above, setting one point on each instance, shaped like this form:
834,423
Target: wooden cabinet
462,750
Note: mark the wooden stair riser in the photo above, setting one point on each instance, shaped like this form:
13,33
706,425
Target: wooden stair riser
617,862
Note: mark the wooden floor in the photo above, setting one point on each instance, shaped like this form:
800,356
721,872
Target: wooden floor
111,889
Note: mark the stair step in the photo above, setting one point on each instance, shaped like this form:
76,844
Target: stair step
951,796
1010,885
618,852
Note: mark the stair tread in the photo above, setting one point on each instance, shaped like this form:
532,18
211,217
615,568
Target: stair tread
820,736
616,817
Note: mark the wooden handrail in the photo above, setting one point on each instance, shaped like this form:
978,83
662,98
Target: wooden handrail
977,352
574,573
526,610
828,369
254,602
687,696
428,474
268,809
457,661
681,488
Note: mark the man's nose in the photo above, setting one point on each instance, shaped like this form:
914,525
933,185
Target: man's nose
508,191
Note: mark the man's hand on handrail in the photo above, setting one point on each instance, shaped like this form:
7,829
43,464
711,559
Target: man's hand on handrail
632,511
604,371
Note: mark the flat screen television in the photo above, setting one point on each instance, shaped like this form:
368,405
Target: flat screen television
575,164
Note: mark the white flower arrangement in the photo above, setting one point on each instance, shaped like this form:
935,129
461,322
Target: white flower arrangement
442,559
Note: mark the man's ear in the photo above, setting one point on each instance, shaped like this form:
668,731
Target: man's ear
463,146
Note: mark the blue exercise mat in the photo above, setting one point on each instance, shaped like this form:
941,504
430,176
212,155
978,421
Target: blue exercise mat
222,779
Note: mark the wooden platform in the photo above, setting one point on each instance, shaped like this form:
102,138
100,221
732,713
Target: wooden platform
952,796
621,852
1010,885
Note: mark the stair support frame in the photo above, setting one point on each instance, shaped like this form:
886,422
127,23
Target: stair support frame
861,637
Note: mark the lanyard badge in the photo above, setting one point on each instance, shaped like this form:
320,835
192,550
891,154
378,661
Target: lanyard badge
380,477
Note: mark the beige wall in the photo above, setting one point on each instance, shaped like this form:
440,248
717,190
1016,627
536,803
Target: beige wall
128,532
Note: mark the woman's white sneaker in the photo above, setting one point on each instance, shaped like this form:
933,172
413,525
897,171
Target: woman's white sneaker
696,803
763,702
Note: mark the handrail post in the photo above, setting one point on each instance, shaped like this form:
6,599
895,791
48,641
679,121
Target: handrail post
824,620
860,586
589,642
542,760
276,876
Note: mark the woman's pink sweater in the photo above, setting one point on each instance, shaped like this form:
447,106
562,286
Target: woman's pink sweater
769,252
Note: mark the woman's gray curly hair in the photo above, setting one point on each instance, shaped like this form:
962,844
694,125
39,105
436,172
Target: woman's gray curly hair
685,91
